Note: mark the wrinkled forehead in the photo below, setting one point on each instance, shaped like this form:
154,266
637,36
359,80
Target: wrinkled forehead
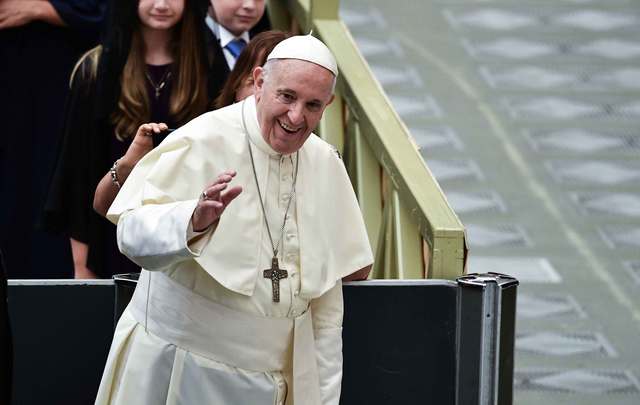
296,73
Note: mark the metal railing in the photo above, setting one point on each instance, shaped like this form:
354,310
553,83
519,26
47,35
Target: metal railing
412,229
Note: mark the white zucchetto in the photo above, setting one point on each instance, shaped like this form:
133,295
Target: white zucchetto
308,48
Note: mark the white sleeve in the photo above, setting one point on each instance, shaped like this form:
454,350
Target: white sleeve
158,236
327,313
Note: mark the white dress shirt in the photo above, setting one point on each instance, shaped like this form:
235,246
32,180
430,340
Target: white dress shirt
224,37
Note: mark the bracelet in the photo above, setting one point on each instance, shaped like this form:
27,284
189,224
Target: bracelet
114,174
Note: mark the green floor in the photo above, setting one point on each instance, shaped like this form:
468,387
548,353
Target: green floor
528,113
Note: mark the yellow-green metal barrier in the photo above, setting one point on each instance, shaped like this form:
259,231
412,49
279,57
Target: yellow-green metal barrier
401,201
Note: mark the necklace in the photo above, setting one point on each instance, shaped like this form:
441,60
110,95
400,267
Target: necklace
275,273
161,83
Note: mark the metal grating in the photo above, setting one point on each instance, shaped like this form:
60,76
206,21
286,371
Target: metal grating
373,47
538,78
563,108
491,19
509,48
504,19
472,202
525,269
397,76
527,77
563,55
633,267
580,140
548,306
422,105
497,235
546,2
555,108
610,48
595,20
620,236
362,18
593,171
514,48
623,78
436,137
454,169
583,381
609,203
564,344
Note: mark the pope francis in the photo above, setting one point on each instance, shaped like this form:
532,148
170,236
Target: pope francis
244,223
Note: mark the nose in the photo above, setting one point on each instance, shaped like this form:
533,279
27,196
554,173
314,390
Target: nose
296,114
249,4
161,4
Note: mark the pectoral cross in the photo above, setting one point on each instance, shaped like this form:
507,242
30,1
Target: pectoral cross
275,274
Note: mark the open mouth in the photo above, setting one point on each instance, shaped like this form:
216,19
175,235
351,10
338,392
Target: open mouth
287,128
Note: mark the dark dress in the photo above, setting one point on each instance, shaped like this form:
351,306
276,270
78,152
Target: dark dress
36,62
6,344
88,150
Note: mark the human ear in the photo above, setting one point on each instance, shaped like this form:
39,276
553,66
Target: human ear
258,78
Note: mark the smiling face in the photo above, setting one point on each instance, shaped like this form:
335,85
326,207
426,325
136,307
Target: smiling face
291,96
160,14
237,16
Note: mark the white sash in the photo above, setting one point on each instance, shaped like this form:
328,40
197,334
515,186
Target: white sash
178,315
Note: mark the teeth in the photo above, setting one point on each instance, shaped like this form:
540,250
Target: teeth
287,127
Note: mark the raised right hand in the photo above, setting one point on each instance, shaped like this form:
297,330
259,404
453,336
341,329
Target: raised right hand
213,201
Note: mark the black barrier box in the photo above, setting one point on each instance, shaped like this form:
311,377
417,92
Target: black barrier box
399,342
405,342
62,331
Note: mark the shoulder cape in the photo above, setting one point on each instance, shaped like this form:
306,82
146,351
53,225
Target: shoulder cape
333,239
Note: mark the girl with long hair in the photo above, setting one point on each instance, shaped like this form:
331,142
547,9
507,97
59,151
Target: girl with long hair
238,86
150,67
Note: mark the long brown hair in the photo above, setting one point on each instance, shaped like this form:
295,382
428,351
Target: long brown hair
189,96
255,54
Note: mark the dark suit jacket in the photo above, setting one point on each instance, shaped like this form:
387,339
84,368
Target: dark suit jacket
36,62
218,68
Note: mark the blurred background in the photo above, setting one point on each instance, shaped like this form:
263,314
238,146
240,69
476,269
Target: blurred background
528,115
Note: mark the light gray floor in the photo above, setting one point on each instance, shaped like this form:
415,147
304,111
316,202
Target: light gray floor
528,113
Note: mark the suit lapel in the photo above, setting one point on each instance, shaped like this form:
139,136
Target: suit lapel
218,68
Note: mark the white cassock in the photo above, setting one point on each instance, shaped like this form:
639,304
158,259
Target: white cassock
202,327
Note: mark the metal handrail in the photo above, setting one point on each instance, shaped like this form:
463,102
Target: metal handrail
412,228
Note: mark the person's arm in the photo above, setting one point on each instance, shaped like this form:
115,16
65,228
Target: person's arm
80,251
361,274
156,236
327,312
142,143
16,13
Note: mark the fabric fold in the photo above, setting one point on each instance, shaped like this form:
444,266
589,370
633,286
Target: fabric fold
331,228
